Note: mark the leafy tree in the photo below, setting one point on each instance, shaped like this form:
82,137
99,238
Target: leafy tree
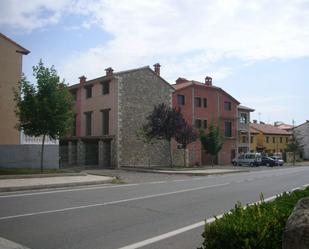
163,123
45,109
212,142
295,145
184,136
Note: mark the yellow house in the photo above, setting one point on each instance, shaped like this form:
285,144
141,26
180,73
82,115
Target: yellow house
11,55
268,138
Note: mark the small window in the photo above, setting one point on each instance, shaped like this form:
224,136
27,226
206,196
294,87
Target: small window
88,90
88,123
243,118
251,139
105,121
198,101
228,129
281,140
205,124
105,87
180,99
227,105
267,139
198,123
274,140
204,102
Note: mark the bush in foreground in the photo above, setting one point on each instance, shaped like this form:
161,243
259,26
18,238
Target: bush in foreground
259,226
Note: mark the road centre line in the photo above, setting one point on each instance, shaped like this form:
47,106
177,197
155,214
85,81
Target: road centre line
111,202
69,190
189,227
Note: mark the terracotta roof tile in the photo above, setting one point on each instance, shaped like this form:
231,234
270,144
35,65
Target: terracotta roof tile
269,129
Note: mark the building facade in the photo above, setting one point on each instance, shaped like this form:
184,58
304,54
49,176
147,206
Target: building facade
243,144
302,134
110,111
201,105
268,138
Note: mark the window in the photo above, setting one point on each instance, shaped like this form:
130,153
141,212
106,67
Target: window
227,105
180,99
205,124
228,129
243,138
198,101
105,121
105,87
251,139
286,139
205,102
267,139
88,123
198,123
274,140
274,151
88,90
281,140
243,118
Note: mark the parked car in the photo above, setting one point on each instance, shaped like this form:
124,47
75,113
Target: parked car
278,159
251,159
268,161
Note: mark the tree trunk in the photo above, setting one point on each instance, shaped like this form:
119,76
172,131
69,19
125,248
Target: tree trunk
294,158
171,154
212,161
42,153
184,158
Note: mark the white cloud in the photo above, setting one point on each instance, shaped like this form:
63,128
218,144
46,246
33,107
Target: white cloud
187,37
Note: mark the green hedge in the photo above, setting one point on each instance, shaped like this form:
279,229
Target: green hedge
256,227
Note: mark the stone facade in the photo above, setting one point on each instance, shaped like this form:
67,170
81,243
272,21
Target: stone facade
139,92
131,97
302,133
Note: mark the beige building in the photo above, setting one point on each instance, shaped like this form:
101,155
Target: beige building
11,55
243,141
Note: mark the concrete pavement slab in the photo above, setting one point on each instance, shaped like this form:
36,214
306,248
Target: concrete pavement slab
51,182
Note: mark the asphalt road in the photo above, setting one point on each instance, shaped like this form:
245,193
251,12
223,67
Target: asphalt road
146,214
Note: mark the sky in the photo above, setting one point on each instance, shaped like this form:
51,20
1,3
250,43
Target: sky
256,50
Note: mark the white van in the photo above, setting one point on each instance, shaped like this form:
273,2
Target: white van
251,159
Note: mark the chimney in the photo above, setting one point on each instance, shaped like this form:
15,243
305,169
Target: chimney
157,68
208,81
254,121
181,80
82,79
109,71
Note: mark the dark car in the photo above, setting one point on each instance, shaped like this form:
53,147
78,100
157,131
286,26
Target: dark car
278,159
268,161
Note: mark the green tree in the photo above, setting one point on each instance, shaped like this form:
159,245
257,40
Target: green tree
212,142
163,123
44,109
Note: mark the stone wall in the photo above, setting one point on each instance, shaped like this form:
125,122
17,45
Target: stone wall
138,92
28,156
302,133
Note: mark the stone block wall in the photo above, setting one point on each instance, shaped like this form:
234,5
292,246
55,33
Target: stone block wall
138,92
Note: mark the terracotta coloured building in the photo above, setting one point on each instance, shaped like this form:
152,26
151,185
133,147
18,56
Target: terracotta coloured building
110,110
201,104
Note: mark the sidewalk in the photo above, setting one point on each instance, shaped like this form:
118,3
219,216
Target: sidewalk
17,184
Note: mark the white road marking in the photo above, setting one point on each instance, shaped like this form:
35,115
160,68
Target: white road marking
186,228
68,190
157,182
111,202
182,180
293,189
305,185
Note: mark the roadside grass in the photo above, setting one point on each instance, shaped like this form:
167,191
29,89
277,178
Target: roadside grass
27,171
117,180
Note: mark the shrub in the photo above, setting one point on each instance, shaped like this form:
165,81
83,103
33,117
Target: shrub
259,226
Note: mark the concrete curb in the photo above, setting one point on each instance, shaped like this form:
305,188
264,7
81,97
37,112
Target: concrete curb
7,244
190,173
40,175
59,185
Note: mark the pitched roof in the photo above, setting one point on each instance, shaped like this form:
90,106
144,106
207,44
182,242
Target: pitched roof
285,127
189,83
268,129
242,107
102,78
305,123
21,50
